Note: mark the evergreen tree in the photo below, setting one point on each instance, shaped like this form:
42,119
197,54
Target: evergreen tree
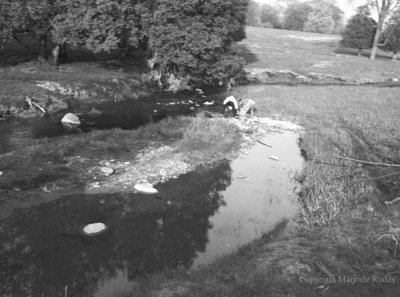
360,30
194,40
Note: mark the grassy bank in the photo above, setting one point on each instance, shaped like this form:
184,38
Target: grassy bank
344,229
305,52
64,160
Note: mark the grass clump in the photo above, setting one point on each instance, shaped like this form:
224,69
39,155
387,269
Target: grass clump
199,139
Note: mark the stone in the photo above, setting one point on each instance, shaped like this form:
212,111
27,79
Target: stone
1,173
94,228
70,120
107,170
145,188
274,158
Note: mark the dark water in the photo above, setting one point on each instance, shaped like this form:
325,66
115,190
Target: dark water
15,133
43,250
214,211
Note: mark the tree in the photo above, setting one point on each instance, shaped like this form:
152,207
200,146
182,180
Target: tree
320,20
383,8
99,26
296,15
193,40
270,14
336,12
360,30
391,36
253,14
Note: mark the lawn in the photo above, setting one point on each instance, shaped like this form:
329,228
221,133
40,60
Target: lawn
304,53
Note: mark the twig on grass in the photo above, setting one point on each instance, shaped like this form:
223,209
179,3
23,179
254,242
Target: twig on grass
368,162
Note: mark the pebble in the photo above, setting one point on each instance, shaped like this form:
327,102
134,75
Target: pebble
274,158
1,173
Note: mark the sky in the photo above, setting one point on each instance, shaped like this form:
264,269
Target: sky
348,9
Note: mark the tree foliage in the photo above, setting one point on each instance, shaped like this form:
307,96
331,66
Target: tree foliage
391,36
360,30
193,39
296,15
320,20
99,26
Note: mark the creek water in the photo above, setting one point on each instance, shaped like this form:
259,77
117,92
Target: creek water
216,209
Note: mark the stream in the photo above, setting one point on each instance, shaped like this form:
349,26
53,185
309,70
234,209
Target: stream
216,209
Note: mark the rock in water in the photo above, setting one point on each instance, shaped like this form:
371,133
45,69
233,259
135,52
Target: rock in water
145,189
94,228
70,120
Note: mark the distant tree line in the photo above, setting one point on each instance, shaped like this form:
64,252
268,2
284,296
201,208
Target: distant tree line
191,40
311,16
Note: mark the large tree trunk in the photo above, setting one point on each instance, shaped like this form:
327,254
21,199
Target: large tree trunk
43,47
376,39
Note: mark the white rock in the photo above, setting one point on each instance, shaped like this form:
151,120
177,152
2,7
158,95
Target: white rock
107,170
94,228
70,120
145,188
208,103
1,173
274,158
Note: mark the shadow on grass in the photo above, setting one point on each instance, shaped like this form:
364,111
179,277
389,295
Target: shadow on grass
365,53
246,53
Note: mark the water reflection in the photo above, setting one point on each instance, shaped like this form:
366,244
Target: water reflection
44,253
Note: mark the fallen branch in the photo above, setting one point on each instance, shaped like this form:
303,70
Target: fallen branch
32,104
369,163
263,143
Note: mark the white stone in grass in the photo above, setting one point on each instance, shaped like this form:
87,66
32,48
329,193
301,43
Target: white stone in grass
1,173
107,171
274,158
94,228
145,189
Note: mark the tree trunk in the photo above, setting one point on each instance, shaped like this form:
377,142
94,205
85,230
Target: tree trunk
376,38
56,54
42,47
394,58
359,52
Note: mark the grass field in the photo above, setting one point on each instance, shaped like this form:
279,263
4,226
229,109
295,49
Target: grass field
304,52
